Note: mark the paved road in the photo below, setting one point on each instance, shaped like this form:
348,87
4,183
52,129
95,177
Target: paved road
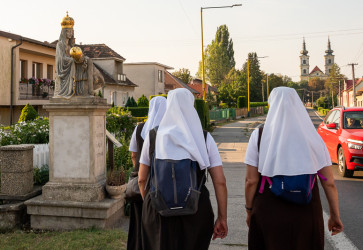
232,140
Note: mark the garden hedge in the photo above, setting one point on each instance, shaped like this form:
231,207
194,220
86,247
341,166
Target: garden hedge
152,96
258,104
242,102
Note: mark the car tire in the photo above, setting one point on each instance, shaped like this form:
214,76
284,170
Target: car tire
342,165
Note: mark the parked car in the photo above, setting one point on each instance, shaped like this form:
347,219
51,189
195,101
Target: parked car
342,132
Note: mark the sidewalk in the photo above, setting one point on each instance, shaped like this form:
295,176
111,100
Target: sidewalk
232,140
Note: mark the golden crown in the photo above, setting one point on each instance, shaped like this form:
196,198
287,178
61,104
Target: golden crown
67,22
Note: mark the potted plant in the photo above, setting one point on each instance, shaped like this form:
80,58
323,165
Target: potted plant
115,183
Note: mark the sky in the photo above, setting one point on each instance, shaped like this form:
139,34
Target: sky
169,31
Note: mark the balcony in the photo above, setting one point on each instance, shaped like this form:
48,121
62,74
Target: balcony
36,89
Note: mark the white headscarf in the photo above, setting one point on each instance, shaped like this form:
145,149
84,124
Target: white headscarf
290,144
180,133
157,109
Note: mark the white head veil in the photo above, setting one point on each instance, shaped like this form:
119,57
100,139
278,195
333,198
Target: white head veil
157,109
180,133
290,144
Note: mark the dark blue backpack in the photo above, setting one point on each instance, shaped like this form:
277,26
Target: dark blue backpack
296,189
174,187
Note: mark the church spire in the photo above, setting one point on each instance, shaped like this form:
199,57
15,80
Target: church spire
304,51
329,51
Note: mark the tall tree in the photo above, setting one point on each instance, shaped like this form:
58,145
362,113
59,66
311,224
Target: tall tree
231,88
332,83
183,74
255,77
316,84
219,57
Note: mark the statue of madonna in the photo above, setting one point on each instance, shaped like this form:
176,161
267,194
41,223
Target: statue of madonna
76,74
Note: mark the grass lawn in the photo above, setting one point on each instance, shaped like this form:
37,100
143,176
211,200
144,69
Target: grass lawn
78,239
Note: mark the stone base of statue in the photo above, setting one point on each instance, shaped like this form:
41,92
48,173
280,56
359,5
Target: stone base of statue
74,197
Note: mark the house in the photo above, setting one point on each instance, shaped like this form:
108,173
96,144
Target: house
197,84
149,76
173,82
345,97
117,87
27,75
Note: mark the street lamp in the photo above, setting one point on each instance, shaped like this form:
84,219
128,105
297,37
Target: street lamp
201,21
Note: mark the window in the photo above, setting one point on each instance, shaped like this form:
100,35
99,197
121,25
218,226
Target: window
304,61
125,97
329,117
37,70
121,77
160,75
50,72
23,69
304,71
329,61
114,98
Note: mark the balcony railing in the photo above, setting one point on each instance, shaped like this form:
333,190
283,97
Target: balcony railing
36,89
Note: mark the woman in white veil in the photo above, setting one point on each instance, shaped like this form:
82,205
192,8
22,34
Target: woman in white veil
290,146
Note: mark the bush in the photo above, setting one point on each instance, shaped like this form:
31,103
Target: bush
223,105
203,112
242,102
139,111
41,175
258,104
265,109
322,102
28,113
152,96
142,101
130,102
33,132
325,111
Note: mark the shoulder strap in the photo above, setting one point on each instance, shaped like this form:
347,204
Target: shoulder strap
152,137
139,139
260,130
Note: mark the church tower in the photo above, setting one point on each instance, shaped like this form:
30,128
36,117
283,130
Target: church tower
329,59
304,63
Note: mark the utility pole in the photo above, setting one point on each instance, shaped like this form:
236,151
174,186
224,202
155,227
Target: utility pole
354,100
340,95
312,98
263,96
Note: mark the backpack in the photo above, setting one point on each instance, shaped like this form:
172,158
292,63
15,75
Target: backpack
296,189
174,188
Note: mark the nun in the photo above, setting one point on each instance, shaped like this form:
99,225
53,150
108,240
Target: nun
157,109
180,136
289,145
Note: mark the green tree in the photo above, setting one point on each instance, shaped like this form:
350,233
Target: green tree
142,101
332,83
28,113
256,77
183,74
219,57
231,88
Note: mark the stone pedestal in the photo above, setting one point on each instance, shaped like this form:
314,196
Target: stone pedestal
75,193
16,166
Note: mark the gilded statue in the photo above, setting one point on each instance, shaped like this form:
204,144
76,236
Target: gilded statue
76,74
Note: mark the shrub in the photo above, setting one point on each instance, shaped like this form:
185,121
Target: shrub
322,102
139,111
265,109
203,112
242,102
28,113
223,105
100,94
258,104
130,102
41,175
142,101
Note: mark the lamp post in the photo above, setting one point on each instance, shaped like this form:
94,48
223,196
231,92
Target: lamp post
201,22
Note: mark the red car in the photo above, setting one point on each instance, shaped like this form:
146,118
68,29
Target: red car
342,132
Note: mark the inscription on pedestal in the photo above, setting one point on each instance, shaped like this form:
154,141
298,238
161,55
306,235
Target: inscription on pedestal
71,149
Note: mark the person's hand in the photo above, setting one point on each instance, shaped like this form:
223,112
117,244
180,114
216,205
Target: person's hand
248,219
335,225
220,229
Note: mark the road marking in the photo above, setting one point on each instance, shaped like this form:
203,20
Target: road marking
338,241
318,115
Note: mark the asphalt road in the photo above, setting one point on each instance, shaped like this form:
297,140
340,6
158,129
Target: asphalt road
350,192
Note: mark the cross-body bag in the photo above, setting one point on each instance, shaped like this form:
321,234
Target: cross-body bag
174,189
296,189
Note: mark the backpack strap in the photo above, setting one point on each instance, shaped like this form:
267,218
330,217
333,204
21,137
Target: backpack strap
139,142
264,178
260,130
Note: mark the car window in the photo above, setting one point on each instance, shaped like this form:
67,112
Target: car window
329,117
353,120
336,118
